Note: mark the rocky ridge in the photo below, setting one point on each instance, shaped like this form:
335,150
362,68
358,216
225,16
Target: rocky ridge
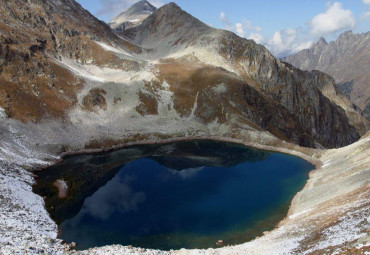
347,59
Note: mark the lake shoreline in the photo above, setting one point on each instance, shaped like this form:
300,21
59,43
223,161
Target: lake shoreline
279,149
311,159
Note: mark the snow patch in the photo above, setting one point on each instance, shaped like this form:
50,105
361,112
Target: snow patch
78,69
95,73
327,163
192,114
205,55
112,49
351,227
299,214
134,20
2,113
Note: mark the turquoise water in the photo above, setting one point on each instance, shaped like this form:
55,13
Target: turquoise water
184,195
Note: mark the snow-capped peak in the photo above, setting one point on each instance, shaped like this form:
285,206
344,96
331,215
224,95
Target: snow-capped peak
132,16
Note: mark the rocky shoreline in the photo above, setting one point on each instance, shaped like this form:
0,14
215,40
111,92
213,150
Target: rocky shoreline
31,242
301,152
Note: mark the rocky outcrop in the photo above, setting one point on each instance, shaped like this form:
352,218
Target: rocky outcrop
347,59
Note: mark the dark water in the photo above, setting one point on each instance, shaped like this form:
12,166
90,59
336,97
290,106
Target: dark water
180,195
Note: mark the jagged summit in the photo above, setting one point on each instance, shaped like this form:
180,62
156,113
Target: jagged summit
347,59
171,5
346,35
143,4
322,41
132,16
167,28
139,8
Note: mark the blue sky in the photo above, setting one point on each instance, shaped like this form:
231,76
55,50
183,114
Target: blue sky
283,26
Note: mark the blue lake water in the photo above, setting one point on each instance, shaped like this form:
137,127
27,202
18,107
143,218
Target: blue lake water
180,195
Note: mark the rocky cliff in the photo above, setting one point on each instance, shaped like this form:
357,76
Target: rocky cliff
347,59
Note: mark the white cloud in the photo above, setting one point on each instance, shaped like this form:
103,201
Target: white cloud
366,1
366,16
334,19
258,38
239,29
287,42
225,21
282,43
111,8
249,25
186,173
102,204
157,3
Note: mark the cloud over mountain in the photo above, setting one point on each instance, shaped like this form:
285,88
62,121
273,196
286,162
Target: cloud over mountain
334,19
112,8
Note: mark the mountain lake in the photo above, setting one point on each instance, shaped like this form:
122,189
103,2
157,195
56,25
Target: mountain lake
187,194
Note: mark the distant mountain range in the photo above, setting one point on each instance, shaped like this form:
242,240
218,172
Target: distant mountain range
347,59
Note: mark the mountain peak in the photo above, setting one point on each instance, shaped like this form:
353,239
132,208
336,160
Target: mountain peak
345,35
322,41
133,16
142,5
171,5
169,25
172,9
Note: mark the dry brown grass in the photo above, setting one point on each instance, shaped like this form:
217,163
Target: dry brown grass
148,105
34,89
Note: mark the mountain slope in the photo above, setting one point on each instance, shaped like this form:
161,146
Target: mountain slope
347,59
34,38
172,33
169,71
133,16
